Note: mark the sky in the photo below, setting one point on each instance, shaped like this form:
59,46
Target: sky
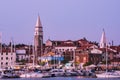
61,19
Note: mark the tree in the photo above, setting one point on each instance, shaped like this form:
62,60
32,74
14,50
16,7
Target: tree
87,64
84,38
20,45
64,61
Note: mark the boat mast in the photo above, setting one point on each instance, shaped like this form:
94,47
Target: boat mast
11,51
29,48
74,58
106,59
33,56
0,44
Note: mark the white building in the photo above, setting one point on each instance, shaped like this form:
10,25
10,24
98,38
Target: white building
66,45
21,54
7,58
98,51
64,48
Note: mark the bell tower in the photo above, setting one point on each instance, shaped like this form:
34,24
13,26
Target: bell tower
38,40
103,41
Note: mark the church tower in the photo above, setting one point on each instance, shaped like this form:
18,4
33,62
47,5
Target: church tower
38,40
103,41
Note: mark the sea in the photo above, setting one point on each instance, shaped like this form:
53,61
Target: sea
63,78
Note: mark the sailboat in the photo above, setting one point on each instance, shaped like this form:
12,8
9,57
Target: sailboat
106,74
32,74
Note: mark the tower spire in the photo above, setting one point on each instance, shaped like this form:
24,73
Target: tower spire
38,22
103,41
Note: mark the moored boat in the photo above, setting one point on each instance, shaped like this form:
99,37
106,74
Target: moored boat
57,72
31,74
108,75
9,74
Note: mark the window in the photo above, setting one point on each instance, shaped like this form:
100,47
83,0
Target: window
56,49
6,58
72,57
108,58
1,63
11,58
1,53
6,63
79,51
21,57
1,58
6,53
103,57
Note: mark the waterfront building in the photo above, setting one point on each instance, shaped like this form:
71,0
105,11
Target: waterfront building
88,55
7,58
21,54
66,49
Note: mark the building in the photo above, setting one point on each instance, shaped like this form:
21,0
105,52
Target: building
7,58
38,40
21,54
83,51
86,54
67,48
64,49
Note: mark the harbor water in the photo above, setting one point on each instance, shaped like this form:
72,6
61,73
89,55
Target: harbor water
62,78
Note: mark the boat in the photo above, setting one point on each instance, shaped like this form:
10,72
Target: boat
118,72
108,75
9,74
57,72
31,74
71,73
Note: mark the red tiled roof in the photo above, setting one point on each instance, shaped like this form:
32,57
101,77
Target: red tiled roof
7,50
87,46
82,41
104,50
66,43
117,48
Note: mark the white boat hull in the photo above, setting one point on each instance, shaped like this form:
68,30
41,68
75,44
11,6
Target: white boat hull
108,75
28,75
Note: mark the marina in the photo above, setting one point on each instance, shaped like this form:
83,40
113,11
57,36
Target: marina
55,73
60,60
66,41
